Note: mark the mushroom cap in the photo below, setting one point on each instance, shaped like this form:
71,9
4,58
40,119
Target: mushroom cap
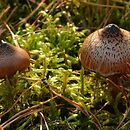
107,51
12,59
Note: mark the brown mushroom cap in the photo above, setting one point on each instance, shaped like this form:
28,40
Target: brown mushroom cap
107,51
12,59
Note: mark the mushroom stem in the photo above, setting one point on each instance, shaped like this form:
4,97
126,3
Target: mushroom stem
117,87
114,80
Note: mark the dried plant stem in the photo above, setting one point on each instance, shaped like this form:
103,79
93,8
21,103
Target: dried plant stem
34,1
121,123
45,122
31,14
4,11
22,114
106,18
11,14
102,107
121,128
25,112
106,6
12,34
121,1
49,8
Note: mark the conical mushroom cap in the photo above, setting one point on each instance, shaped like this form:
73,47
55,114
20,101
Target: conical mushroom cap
12,59
107,51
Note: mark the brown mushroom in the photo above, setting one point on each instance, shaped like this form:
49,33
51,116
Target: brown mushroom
12,59
107,51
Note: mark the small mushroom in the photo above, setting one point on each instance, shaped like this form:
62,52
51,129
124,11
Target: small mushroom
107,51
12,59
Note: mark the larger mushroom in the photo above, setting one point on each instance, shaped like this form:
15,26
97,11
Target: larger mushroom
107,52
12,59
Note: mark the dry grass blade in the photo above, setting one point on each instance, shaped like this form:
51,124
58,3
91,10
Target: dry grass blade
114,84
31,14
121,128
121,123
106,18
104,5
107,103
12,34
34,1
40,15
2,29
21,114
26,112
49,9
4,11
43,119
121,1
11,14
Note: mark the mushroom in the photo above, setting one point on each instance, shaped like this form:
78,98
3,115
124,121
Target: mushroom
12,59
107,52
